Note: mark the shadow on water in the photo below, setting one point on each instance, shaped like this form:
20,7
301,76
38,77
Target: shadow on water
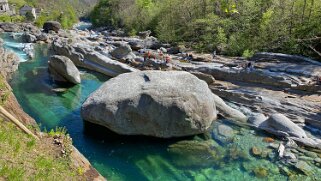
102,133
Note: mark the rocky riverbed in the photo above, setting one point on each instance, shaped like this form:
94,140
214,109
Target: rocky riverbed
277,93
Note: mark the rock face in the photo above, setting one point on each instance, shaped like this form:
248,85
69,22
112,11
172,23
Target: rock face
90,59
63,69
9,62
51,26
152,103
42,37
144,34
9,27
29,38
282,126
209,79
123,52
227,111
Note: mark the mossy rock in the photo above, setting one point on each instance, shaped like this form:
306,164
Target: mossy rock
195,153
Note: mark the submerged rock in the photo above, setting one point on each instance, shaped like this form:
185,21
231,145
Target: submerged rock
63,69
260,172
304,167
256,151
223,133
153,103
195,153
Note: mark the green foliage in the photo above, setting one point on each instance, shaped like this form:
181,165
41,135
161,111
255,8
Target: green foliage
229,27
24,158
67,18
58,131
30,17
247,54
59,10
13,19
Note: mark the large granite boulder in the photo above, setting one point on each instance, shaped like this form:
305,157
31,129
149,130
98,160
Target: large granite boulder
63,69
152,103
51,26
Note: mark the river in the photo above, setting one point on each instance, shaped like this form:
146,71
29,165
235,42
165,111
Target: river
220,157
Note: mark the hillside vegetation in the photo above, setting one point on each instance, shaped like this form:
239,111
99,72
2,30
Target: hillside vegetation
66,12
231,27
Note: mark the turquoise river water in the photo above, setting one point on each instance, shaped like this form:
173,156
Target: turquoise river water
204,157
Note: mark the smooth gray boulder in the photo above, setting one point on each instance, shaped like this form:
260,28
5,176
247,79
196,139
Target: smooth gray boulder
257,120
282,126
63,69
227,111
152,103
123,52
209,79
144,34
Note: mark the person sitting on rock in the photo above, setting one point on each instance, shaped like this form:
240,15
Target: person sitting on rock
147,55
250,66
161,55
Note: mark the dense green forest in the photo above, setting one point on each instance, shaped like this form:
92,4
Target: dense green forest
231,27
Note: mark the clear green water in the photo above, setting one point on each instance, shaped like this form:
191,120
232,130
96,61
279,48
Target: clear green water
138,158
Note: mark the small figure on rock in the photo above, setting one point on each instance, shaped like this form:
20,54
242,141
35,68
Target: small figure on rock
319,80
214,54
249,66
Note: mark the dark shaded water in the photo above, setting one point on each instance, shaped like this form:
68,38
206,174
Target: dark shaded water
135,158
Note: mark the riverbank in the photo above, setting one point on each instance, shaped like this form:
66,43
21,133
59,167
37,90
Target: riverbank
22,156
235,148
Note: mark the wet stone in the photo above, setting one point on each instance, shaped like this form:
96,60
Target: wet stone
305,158
290,156
304,167
274,145
268,140
260,172
256,151
311,154
317,160
223,134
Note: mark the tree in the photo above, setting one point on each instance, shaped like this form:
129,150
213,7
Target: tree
30,17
